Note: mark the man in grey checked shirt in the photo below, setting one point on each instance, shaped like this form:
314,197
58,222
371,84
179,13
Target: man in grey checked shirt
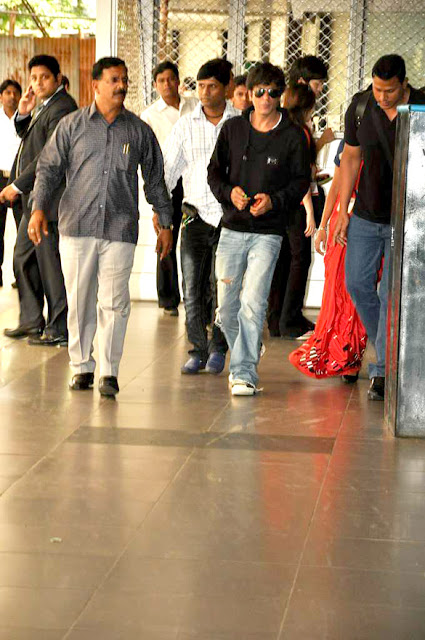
99,149
187,153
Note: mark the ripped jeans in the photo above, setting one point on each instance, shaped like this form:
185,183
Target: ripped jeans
245,264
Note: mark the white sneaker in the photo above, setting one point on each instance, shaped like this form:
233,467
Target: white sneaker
242,388
305,336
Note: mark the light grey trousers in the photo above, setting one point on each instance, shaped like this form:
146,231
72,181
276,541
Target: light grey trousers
96,274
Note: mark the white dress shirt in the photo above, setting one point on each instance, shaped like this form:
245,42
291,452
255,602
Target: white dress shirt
10,141
161,117
188,152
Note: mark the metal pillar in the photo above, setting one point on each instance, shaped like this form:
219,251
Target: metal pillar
405,361
148,20
356,47
236,34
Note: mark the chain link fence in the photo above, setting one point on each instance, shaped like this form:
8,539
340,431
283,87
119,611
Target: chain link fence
348,35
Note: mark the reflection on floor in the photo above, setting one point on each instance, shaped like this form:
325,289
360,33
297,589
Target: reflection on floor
179,513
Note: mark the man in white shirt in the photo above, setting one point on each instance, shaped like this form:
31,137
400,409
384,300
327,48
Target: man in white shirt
161,116
187,154
10,94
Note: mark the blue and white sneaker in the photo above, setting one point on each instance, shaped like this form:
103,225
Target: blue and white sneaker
243,388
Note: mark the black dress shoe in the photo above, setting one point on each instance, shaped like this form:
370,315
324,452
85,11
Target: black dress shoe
108,386
23,331
377,388
347,379
48,341
81,381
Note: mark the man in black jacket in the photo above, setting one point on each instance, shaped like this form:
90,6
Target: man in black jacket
38,269
259,172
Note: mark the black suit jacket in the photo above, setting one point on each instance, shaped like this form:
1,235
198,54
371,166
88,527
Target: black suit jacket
34,136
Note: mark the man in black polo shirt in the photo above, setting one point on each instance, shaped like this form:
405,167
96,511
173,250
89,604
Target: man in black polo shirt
370,129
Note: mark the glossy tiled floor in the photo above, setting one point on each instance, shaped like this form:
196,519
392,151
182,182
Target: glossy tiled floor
179,513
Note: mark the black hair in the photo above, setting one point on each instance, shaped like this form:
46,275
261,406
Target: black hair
65,82
165,66
390,66
217,68
105,63
44,60
265,73
10,83
308,68
240,80
299,100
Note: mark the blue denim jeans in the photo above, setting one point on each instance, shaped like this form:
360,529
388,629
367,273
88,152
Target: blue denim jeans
198,247
245,265
367,243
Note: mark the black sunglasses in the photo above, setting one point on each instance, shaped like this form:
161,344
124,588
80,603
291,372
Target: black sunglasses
273,93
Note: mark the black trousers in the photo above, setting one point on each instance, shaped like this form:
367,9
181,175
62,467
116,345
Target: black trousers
38,274
167,277
17,214
289,283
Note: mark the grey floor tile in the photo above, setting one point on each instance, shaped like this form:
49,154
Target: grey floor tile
41,608
383,588
146,613
233,635
110,511
200,577
14,465
237,615
52,571
318,619
15,633
368,555
121,632
76,539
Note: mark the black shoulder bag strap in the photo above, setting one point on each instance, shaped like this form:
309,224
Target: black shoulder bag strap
363,102
361,107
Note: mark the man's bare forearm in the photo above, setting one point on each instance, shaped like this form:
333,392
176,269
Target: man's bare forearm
350,166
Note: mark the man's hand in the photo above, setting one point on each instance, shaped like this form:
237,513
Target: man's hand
155,222
164,243
27,102
8,194
37,226
327,136
340,233
239,198
320,241
310,225
262,204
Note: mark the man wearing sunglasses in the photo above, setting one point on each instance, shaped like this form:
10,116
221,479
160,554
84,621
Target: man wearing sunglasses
259,172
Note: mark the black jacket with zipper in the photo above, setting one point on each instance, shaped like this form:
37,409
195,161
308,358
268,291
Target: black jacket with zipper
281,170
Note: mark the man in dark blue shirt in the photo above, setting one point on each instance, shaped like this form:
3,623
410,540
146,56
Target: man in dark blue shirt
99,148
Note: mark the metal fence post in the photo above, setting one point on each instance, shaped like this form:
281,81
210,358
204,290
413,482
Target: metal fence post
356,48
236,34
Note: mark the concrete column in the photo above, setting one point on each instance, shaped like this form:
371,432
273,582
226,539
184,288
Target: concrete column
106,28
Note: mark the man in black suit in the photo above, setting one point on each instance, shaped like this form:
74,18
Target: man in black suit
38,269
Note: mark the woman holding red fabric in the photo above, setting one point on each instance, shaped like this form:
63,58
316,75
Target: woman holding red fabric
339,340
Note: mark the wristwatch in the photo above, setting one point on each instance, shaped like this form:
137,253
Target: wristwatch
167,226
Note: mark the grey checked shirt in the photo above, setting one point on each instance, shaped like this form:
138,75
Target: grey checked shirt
100,161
